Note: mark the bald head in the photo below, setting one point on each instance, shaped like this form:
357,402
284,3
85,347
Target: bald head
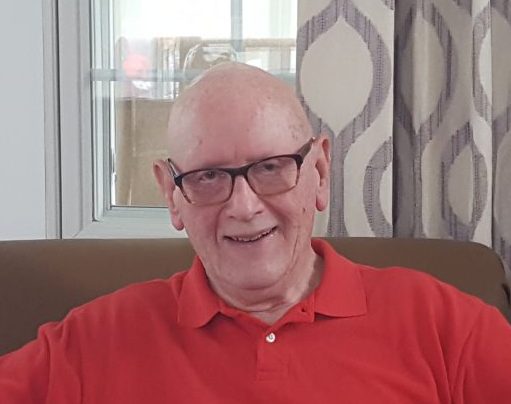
231,96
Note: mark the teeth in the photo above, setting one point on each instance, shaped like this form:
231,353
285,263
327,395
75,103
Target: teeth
248,239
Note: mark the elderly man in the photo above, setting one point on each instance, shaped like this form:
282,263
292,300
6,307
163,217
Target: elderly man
265,314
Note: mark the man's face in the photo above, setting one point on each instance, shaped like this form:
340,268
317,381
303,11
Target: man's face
249,242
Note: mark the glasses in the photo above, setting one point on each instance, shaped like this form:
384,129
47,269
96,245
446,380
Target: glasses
270,176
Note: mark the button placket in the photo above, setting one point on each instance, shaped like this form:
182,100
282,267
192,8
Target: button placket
272,358
271,338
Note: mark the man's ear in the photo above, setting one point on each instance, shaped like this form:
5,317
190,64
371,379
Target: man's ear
167,188
323,169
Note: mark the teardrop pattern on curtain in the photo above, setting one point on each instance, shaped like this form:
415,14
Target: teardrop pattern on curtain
343,139
421,126
379,219
501,126
463,206
417,123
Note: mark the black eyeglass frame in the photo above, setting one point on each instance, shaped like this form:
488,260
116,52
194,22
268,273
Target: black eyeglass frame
298,157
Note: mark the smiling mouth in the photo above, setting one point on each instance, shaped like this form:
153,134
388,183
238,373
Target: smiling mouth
251,239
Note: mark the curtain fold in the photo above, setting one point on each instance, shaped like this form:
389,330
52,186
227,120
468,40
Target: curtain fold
415,96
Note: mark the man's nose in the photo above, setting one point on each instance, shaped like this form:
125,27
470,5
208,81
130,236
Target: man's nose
244,203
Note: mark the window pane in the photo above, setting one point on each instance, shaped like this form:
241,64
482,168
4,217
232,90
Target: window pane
145,52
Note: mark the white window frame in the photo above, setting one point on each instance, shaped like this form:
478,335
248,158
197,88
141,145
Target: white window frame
51,119
68,137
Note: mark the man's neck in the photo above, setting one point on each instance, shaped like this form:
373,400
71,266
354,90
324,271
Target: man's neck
270,305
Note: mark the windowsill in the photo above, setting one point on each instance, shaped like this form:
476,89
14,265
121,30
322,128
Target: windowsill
132,223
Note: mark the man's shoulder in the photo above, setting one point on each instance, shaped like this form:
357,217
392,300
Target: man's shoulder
402,281
392,282
134,300
119,321
415,296
397,289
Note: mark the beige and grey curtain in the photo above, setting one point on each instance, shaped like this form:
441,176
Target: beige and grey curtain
416,98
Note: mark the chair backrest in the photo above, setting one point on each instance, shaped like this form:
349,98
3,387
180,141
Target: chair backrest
42,280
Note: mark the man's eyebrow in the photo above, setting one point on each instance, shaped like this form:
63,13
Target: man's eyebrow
223,164
201,167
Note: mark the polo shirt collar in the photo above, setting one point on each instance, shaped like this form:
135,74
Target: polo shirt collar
340,293
197,302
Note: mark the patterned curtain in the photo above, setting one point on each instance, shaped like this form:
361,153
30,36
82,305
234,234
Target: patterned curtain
416,98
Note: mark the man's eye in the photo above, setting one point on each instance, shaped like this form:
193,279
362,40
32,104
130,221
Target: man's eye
269,167
208,176
205,178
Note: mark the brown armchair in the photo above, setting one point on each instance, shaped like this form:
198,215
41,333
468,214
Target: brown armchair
42,280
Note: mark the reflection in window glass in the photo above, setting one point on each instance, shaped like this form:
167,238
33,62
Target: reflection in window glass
145,52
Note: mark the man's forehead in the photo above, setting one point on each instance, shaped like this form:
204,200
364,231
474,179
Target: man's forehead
232,103
220,145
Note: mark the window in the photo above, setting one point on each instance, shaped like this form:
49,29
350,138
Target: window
132,59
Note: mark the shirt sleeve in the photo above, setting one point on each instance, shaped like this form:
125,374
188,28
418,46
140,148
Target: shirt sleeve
41,371
484,373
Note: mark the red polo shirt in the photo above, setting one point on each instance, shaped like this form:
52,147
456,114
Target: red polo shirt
363,336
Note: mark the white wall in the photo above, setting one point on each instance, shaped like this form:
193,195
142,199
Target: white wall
22,174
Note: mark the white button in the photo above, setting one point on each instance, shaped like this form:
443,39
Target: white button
270,338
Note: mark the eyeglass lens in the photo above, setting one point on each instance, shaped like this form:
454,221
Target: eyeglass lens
267,177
